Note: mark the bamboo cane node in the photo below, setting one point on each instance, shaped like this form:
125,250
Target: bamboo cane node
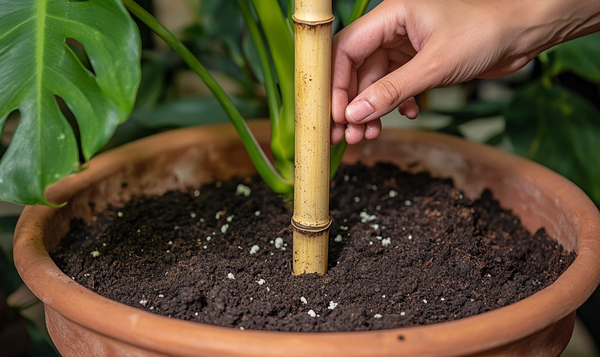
311,229
312,23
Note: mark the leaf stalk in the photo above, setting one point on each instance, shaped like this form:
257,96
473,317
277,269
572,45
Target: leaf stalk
264,167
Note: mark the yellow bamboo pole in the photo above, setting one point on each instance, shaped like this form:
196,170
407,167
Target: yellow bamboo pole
313,21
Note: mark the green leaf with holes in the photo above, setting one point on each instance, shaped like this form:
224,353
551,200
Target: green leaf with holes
37,65
559,129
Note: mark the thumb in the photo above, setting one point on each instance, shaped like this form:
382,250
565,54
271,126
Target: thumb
386,94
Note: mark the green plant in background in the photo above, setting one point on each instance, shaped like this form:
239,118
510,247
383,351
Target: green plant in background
30,341
548,121
87,54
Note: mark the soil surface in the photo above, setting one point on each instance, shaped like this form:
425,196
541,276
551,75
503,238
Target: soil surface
404,250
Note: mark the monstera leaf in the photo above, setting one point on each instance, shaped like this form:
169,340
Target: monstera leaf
37,66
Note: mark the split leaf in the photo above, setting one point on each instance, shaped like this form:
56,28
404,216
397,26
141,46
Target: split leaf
38,66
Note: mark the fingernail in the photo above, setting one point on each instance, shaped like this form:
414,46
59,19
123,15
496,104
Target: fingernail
358,111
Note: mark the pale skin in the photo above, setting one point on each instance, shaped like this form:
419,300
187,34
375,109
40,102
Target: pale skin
405,47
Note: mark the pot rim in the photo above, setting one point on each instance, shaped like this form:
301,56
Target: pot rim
466,335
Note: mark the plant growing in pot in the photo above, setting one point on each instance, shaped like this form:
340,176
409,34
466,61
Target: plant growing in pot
181,154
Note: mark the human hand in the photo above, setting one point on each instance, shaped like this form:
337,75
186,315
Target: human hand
405,47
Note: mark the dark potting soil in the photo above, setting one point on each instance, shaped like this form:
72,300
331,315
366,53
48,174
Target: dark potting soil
404,250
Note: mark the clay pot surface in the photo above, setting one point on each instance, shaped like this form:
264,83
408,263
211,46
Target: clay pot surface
83,323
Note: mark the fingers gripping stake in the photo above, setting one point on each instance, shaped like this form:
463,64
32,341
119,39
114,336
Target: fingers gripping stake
313,27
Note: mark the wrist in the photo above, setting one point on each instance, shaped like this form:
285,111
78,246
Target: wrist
544,24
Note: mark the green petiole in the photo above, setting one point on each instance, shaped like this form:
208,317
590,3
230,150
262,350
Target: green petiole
257,155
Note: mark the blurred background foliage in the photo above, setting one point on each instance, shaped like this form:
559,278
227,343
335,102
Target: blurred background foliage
550,114
21,334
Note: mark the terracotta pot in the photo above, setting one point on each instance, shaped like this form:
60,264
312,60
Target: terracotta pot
83,323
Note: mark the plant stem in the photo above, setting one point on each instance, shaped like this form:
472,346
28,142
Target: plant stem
313,26
280,39
337,151
273,97
257,155
358,10
281,136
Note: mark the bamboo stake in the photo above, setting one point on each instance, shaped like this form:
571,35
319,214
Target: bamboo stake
313,21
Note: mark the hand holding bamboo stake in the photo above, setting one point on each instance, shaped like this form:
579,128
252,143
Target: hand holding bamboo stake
313,27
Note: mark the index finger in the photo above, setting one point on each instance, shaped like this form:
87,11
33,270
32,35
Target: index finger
352,46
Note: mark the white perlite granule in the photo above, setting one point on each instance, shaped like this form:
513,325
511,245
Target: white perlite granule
311,313
365,217
278,243
230,276
243,190
254,249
